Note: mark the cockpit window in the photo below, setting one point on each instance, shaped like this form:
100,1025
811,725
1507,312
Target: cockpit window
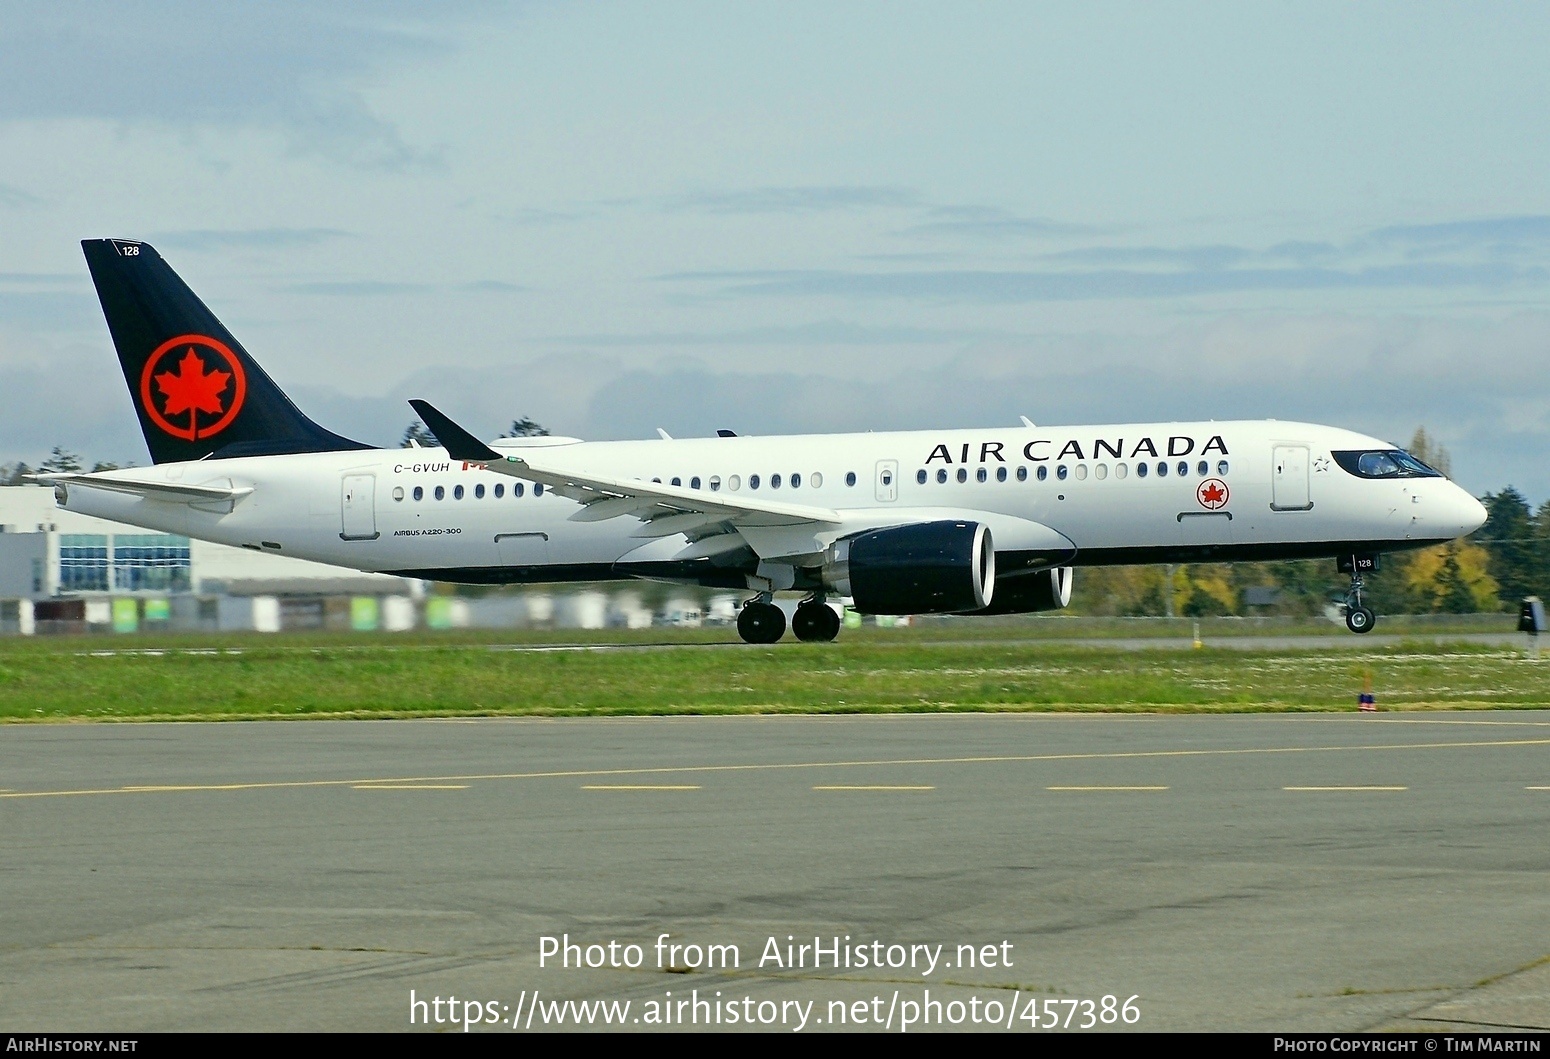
1383,463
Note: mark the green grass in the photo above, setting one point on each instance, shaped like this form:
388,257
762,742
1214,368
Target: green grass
235,677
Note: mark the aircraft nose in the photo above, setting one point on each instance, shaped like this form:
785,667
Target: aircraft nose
1469,513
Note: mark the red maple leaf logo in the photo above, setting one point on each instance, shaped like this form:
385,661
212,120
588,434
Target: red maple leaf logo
192,388
1211,494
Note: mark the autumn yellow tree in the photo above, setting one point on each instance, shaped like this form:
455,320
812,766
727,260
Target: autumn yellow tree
1452,578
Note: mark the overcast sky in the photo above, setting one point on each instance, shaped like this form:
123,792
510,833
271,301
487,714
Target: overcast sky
798,217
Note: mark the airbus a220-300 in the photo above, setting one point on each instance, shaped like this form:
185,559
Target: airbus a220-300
985,521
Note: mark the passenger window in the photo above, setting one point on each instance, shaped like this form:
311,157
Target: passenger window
815,480
850,477
538,488
419,493
398,492
796,481
1022,474
1043,472
963,475
1121,469
694,483
518,489
774,481
1183,469
1000,474
479,491
1141,470
715,483
981,475
656,481
753,481
500,490
1162,469
1221,467
920,476
941,475
678,481
1061,472
734,483
1081,472
457,492
1203,467
441,494
1101,471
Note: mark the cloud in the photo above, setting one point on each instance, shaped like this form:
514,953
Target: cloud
986,222
210,240
287,64
819,332
493,286
792,199
977,285
14,198
365,288
1494,232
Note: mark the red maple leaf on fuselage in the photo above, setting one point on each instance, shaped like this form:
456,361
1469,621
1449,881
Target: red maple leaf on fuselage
192,387
1212,494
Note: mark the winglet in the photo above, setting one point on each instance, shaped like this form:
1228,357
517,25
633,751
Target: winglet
459,443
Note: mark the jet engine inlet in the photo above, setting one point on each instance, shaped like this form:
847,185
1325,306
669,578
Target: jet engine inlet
929,568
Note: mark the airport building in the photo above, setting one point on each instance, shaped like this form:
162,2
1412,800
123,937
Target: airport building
65,572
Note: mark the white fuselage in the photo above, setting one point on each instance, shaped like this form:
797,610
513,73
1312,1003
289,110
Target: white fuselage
1277,494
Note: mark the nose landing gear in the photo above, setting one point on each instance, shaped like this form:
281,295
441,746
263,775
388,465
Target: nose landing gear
761,621
1359,617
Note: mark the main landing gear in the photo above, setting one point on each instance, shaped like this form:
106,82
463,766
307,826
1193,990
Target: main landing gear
1358,616
761,621
815,621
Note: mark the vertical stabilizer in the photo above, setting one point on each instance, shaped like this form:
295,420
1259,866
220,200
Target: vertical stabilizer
196,390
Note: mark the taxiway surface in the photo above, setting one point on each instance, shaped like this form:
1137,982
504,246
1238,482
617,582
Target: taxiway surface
1314,872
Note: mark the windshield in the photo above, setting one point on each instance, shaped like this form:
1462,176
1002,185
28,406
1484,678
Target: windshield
1383,463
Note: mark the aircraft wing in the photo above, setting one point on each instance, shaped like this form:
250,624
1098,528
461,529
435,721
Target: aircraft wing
665,509
156,490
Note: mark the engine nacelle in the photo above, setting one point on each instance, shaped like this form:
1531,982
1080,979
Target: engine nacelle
927,568
1027,593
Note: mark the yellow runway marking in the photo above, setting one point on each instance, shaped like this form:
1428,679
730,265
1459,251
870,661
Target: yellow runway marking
873,787
1345,788
638,787
1105,788
680,770
410,787
1537,788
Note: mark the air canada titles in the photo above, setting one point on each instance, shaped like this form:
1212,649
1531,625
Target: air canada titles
1042,449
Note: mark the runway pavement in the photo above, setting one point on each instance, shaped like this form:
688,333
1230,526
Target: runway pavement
1287,872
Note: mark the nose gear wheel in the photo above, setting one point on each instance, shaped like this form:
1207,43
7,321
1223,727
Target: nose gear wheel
1359,618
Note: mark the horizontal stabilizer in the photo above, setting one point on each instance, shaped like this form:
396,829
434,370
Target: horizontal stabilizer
158,490
459,443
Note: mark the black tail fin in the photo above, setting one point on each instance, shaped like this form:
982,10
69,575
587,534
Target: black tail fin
195,388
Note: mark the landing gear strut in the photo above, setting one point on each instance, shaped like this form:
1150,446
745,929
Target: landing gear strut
815,621
761,621
1359,617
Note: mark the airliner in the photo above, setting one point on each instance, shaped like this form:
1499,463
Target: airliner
979,521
